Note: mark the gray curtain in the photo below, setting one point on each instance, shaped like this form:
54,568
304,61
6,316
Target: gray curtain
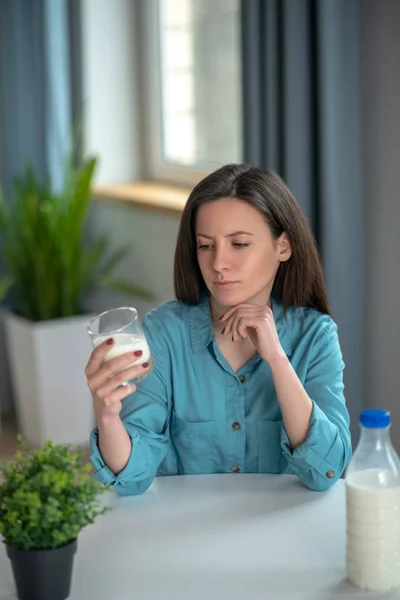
36,103
35,87
301,99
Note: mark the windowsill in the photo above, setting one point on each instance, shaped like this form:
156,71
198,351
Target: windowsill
161,197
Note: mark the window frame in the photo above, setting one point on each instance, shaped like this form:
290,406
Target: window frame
156,167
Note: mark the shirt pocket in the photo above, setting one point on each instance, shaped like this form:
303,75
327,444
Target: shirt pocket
195,445
269,446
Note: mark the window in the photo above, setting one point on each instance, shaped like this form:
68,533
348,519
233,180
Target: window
193,93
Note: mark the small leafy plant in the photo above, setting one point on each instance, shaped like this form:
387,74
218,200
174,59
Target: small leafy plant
47,497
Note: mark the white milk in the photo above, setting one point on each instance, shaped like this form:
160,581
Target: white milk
373,529
123,343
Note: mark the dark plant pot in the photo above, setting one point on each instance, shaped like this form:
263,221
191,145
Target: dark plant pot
43,574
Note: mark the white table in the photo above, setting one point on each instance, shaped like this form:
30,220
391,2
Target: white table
215,537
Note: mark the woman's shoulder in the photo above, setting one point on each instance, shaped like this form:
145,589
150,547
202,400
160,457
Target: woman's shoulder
167,313
312,325
166,321
307,316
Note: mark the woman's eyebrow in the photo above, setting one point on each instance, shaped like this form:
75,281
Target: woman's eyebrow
228,236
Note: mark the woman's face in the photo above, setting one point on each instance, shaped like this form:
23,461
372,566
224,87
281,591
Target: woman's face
237,256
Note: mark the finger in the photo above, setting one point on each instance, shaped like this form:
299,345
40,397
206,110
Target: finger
242,330
228,326
128,358
238,307
266,313
252,311
244,323
97,356
108,369
228,314
119,378
118,394
239,328
234,327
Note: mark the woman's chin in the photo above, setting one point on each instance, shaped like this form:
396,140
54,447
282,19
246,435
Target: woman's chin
229,297
234,298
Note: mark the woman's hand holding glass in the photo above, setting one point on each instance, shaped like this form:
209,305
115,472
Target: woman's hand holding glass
120,358
107,381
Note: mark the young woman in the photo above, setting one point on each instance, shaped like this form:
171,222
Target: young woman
248,372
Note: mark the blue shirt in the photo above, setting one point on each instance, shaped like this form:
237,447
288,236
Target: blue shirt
195,414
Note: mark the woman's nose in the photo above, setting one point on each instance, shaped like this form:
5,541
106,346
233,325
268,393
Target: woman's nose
221,260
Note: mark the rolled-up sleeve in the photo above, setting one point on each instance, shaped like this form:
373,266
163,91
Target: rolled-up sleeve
145,415
321,459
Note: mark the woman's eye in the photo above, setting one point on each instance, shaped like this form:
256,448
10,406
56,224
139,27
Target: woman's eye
235,245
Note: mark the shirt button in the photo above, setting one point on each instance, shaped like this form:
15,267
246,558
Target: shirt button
242,378
330,474
236,426
235,469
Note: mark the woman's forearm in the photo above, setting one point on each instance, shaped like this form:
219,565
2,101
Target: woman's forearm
295,404
114,443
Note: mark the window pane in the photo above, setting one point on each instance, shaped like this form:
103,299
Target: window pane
200,82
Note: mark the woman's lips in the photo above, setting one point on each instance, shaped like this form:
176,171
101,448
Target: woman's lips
224,285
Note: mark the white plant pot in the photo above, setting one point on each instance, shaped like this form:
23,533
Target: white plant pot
47,361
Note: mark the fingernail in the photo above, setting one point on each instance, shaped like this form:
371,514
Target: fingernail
138,353
109,342
223,331
145,365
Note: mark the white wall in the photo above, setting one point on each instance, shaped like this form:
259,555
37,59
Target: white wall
380,51
150,237
110,98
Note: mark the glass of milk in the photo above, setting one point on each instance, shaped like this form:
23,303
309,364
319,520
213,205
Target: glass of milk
124,326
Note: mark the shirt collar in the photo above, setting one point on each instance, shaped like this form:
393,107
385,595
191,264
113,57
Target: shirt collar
202,331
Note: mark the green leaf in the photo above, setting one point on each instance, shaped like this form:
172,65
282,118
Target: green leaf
51,267
120,285
92,256
6,284
114,260
3,213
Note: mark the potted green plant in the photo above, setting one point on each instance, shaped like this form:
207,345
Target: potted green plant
52,270
46,498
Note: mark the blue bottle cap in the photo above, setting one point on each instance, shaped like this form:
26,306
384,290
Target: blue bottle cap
374,418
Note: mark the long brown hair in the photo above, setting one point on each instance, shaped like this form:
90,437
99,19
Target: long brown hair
299,281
